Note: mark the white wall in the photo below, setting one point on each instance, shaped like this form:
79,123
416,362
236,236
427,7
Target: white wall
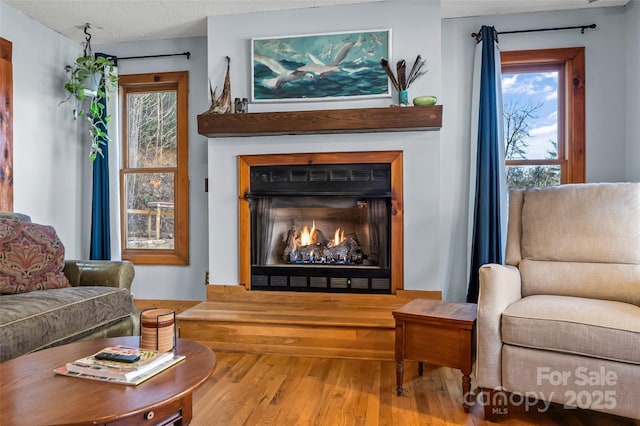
50,152
605,108
415,29
633,90
177,282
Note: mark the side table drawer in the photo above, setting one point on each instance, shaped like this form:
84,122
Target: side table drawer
448,347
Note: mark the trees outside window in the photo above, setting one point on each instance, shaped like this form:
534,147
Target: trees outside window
154,177
544,115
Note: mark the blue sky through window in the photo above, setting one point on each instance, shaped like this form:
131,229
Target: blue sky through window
539,88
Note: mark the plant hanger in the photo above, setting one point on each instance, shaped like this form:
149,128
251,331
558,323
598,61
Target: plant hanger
87,40
91,79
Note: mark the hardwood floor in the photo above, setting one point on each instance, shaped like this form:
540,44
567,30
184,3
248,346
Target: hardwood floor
251,389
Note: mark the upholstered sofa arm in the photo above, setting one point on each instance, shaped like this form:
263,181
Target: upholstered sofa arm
107,273
500,286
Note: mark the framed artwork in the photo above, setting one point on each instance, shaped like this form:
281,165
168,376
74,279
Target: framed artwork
329,66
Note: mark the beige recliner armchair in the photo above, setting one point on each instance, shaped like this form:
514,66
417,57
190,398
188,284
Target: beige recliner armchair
560,322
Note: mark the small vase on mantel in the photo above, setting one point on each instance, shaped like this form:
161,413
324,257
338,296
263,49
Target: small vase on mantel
403,97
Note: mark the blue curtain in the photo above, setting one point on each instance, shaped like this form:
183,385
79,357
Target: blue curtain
100,223
490,189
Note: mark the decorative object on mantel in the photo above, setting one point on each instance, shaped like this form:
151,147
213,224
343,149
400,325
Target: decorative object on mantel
424,100
83,85
221,104
241,105
402,82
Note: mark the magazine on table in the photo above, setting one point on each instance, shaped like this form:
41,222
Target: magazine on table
144,360
135,379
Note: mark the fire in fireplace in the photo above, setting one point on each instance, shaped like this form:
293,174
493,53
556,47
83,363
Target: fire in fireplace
312,246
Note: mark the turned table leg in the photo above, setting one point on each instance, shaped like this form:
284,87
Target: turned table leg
399,377
466,389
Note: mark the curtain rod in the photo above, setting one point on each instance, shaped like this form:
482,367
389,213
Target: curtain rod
187,54
580,27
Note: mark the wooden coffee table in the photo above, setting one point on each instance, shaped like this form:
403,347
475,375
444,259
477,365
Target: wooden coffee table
439,333
31,394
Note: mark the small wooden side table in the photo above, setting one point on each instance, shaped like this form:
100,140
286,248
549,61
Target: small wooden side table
439,333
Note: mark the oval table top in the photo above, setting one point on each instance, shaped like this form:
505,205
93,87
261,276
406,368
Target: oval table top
32,394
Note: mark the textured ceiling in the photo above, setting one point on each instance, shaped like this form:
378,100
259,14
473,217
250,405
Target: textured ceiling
133,20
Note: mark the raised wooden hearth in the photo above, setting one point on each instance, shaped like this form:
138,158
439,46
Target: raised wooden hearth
357,326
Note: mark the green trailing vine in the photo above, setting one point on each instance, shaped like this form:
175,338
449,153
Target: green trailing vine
96,72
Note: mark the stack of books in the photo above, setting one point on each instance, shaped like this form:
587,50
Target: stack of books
120,364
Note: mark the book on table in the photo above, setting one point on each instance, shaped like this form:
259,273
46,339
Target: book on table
149,364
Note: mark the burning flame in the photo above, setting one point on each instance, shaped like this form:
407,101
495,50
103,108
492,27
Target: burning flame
306,235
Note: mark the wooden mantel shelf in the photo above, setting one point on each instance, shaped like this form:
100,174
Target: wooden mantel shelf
361,120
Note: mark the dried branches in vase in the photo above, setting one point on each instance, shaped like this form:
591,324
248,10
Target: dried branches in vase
403,80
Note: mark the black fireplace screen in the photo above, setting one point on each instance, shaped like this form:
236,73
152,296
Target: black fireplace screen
321,228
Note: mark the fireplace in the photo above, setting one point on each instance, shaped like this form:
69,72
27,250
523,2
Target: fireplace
324,222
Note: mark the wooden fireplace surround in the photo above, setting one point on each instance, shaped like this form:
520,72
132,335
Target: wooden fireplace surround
394,158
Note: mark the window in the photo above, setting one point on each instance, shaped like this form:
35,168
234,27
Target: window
154,180
544,116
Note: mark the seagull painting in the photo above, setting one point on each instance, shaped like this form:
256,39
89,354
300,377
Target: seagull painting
322,66
319,68
283,75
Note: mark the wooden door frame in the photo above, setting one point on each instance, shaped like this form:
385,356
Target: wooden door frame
6,126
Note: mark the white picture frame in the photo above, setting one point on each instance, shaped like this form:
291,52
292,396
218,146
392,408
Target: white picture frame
319,67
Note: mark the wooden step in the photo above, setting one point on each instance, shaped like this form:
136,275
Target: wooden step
307,324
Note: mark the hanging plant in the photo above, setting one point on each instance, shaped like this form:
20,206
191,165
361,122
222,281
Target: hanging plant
91,79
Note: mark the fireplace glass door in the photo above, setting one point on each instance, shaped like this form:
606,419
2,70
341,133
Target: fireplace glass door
326,237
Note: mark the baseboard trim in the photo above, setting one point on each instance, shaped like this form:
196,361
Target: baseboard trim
175,305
